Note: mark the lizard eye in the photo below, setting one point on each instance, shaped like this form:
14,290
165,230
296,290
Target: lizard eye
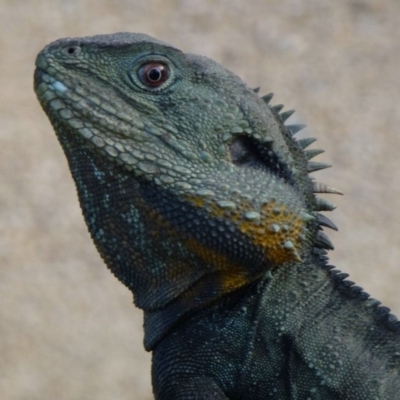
153,74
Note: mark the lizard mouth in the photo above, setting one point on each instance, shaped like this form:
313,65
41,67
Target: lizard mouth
37,77
93,117
41,76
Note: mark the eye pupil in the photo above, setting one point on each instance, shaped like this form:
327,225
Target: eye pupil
153,74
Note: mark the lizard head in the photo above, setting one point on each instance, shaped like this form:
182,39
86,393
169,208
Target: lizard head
186,177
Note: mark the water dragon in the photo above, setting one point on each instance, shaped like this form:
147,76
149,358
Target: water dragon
198,197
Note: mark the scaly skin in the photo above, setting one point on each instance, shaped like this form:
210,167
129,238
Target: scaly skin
198,199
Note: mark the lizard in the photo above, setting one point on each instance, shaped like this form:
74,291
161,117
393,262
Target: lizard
198,198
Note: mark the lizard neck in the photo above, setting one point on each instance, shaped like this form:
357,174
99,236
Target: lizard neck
284,282
167,251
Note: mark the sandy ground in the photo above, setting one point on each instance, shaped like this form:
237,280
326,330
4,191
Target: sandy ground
68,329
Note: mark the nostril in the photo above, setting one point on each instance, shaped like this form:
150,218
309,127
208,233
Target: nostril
71,50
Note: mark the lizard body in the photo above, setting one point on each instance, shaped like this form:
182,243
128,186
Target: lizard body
198,198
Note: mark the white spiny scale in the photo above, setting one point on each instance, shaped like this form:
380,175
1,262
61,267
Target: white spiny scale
266,139
307,217
323,204
289,246
319,187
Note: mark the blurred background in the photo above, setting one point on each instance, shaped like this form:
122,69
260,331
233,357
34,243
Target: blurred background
68,328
